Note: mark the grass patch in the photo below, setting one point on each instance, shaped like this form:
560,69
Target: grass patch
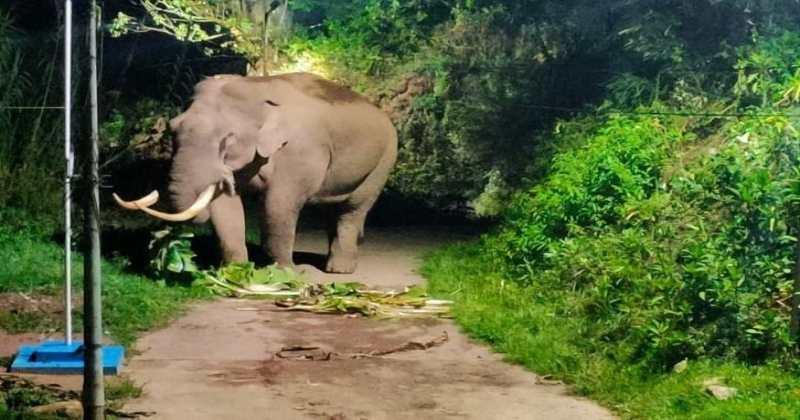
18,396
120,390
525,328
20,322
132,303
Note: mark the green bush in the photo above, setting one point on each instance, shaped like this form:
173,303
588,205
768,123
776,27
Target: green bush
768,69
587,189
672,237
138,131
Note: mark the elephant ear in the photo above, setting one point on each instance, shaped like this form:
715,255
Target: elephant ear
254,113
274,134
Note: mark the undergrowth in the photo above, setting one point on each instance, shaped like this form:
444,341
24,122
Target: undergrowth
132,303
18,396
530,329
661,240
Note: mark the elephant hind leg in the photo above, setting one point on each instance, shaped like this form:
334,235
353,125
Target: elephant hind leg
344,238
347,229
352,214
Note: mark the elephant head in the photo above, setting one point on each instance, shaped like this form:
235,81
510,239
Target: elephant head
231,124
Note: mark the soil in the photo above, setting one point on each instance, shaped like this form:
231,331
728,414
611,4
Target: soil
23,302
228,358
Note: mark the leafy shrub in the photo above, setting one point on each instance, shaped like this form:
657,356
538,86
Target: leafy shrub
672,238
139,131
18,399
768,69
370,37
587,189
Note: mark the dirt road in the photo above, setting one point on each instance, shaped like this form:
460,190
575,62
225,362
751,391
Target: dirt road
220,361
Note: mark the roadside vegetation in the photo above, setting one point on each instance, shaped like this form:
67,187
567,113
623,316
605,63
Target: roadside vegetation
31,238
655,259
532,330
33,266
24,399
639,158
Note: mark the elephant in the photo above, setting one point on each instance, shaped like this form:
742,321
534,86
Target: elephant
294,139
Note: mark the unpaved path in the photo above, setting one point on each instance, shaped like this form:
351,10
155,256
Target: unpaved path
219,361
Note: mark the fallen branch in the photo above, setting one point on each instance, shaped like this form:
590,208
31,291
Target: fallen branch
317,354
129,414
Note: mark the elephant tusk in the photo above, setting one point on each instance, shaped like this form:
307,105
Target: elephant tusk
201,203
145,201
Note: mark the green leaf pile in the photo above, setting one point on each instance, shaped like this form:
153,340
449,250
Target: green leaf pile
244,280
173,258
172,254
291,291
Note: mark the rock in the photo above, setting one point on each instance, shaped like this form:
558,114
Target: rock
71,409
680,366
721,392
715,388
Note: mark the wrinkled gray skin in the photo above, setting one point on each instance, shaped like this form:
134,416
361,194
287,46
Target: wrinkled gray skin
295,139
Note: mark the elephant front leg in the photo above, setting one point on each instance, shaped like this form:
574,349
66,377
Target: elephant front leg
227,216
343,252
279,227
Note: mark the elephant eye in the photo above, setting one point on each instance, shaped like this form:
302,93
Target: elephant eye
268,102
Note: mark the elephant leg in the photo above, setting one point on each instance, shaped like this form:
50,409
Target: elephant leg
343,251
227,216
279,226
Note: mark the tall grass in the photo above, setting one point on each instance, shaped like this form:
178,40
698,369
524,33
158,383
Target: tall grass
30,139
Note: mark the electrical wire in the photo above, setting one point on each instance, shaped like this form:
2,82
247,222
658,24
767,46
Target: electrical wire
36,108
667,113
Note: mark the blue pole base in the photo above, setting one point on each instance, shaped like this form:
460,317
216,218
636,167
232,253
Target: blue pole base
58,358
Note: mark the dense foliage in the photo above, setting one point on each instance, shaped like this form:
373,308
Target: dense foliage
27,135
673,236
662,237
490,79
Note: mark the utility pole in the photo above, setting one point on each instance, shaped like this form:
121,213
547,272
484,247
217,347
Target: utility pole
70,162
93,391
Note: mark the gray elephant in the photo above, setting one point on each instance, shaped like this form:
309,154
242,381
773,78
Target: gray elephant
295,139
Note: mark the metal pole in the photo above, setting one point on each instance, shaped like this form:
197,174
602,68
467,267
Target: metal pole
93,392
68,155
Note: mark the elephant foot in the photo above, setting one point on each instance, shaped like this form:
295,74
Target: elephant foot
341,265
283,263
